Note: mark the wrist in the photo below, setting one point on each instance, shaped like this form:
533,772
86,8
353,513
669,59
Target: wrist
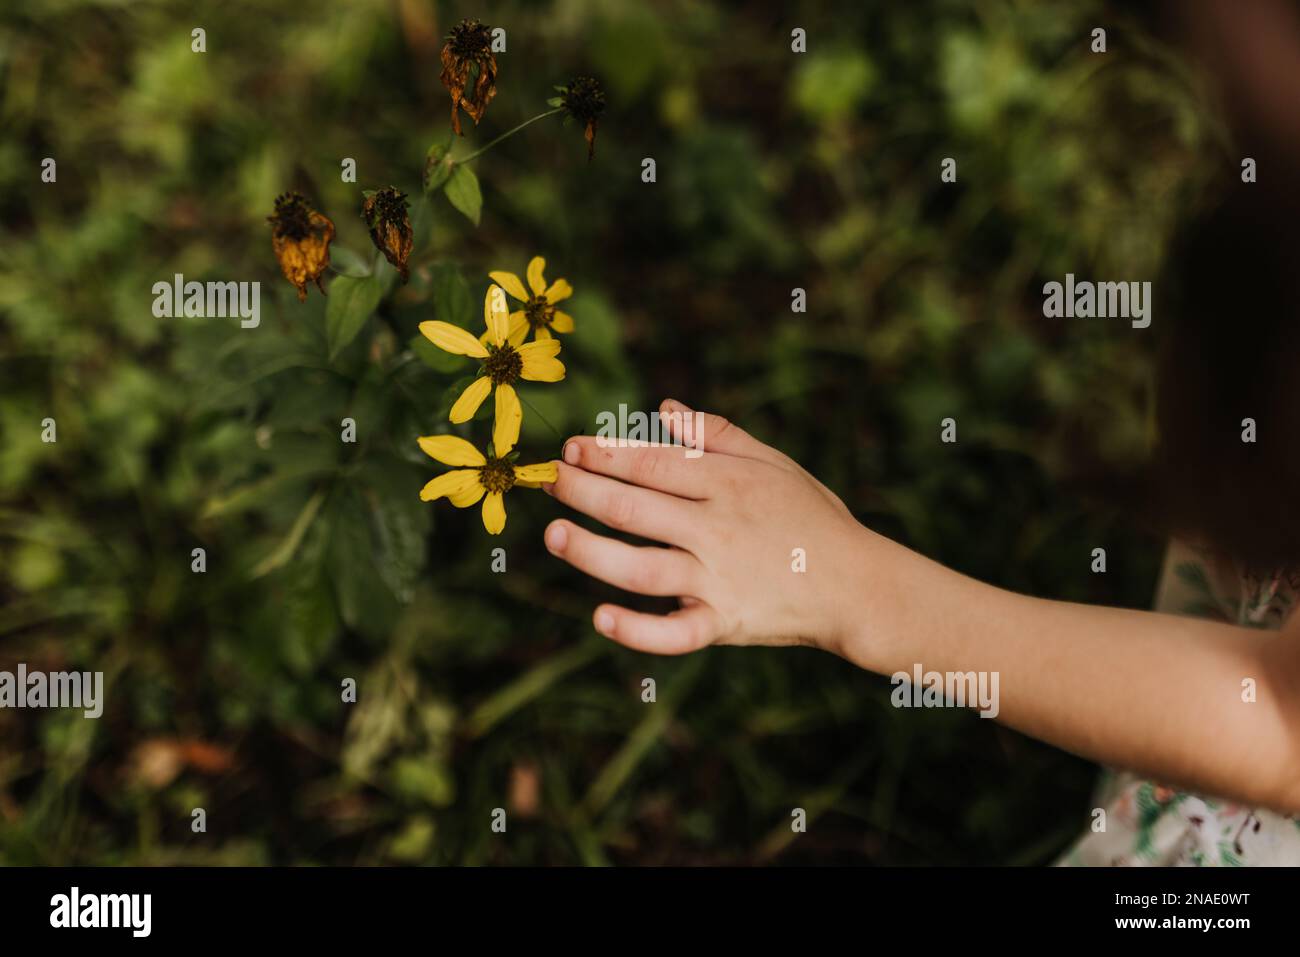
889,593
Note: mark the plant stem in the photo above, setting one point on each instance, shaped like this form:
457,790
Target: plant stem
545,421
508,133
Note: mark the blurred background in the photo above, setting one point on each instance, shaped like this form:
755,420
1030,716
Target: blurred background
477,690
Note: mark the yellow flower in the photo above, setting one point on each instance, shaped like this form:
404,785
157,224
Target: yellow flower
479,477
506,360
539,313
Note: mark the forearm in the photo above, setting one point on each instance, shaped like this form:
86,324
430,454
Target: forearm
1153,693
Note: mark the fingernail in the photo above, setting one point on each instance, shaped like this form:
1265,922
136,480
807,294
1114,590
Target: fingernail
675,406
572,453
604,623
548,488
556,537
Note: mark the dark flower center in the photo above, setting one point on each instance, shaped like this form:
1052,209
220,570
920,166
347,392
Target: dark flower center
470,39
584,99
503,364
388,205
292,219
539,312
497,475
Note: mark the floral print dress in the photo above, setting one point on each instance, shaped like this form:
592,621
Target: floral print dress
1150,824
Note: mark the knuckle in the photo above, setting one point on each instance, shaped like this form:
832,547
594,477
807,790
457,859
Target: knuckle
645,577
722,426
620,511
646,467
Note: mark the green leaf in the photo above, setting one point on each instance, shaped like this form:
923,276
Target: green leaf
463,193
399,522
437,166
421,777
346,262
452,301
310,622
351,302
362,597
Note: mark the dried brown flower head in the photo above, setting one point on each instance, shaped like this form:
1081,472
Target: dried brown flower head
301,239
467,57
385,212
584,100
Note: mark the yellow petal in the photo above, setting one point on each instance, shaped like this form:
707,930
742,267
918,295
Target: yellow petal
468,497
453,339
543,334
518,328
494,513
563,322
456,483
505,431
558,290
496,314
542,472
536,279
451,450
546,349
471,399
510,283
543,370
540,364
517,331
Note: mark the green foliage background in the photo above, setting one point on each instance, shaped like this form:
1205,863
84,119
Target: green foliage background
775,171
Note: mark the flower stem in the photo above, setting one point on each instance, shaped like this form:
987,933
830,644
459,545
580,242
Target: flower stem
507,134
533,410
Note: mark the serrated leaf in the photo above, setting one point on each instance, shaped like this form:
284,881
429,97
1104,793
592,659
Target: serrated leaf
363,598
463,192
309,619
399,523
352,300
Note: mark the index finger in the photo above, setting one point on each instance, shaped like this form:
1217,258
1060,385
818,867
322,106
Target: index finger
673,469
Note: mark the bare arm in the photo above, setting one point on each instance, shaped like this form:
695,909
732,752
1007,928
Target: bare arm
761,553
1154,693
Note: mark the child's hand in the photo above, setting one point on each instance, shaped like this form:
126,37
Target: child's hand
761,552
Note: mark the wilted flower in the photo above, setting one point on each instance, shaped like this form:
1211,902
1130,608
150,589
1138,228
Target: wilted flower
583,100
539,313
505,362
469,49
301,239
385,212
480,477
